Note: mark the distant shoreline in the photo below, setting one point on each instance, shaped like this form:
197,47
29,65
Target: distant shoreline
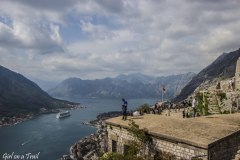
21,117
104,116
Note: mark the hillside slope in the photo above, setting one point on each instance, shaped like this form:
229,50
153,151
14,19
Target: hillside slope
20,95
223,66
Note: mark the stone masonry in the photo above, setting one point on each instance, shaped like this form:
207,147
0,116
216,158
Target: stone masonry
179,149
214,137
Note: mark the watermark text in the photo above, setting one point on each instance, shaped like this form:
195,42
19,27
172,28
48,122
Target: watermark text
13,155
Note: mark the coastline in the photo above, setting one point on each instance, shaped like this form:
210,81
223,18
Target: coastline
103,116
91,146
16,119
21,117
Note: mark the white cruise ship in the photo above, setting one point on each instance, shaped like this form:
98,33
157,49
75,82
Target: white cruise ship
63,114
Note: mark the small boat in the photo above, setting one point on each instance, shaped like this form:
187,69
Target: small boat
63,114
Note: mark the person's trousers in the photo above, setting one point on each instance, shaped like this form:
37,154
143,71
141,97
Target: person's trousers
194,112
124,113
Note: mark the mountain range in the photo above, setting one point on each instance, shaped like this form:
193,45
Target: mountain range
135,85
223,67
20,95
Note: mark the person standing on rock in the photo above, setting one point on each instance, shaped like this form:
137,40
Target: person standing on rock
218,85
230,84
124,109
233,84
194,106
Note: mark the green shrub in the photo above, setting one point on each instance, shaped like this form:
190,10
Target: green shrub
134,148
133,151
145,108
200,104
139,134
206,105
161,155
201,108
222,96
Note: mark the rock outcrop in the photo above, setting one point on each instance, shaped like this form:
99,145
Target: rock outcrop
223,66
237,156
90,147
103,116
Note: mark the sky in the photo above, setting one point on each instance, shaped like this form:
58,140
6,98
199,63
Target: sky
52,40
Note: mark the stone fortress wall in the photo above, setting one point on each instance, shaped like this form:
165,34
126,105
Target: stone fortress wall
181,150
222,149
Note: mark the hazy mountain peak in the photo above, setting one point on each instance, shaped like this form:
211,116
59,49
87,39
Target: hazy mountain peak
135,85
136,77
72,79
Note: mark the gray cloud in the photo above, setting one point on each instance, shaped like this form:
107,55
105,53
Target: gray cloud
41,39
111,6
52,5
153,37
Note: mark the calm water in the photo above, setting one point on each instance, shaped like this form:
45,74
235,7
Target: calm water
53,137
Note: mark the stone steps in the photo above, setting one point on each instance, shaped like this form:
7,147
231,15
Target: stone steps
213,107
212,112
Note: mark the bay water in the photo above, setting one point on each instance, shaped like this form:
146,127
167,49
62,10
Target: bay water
49,138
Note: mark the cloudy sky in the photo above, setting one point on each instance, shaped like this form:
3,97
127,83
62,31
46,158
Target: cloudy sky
55,39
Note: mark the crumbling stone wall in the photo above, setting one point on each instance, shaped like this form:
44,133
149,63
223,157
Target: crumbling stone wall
179,149
120,135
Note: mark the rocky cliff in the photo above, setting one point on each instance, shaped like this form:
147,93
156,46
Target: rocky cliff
90,147
223,66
